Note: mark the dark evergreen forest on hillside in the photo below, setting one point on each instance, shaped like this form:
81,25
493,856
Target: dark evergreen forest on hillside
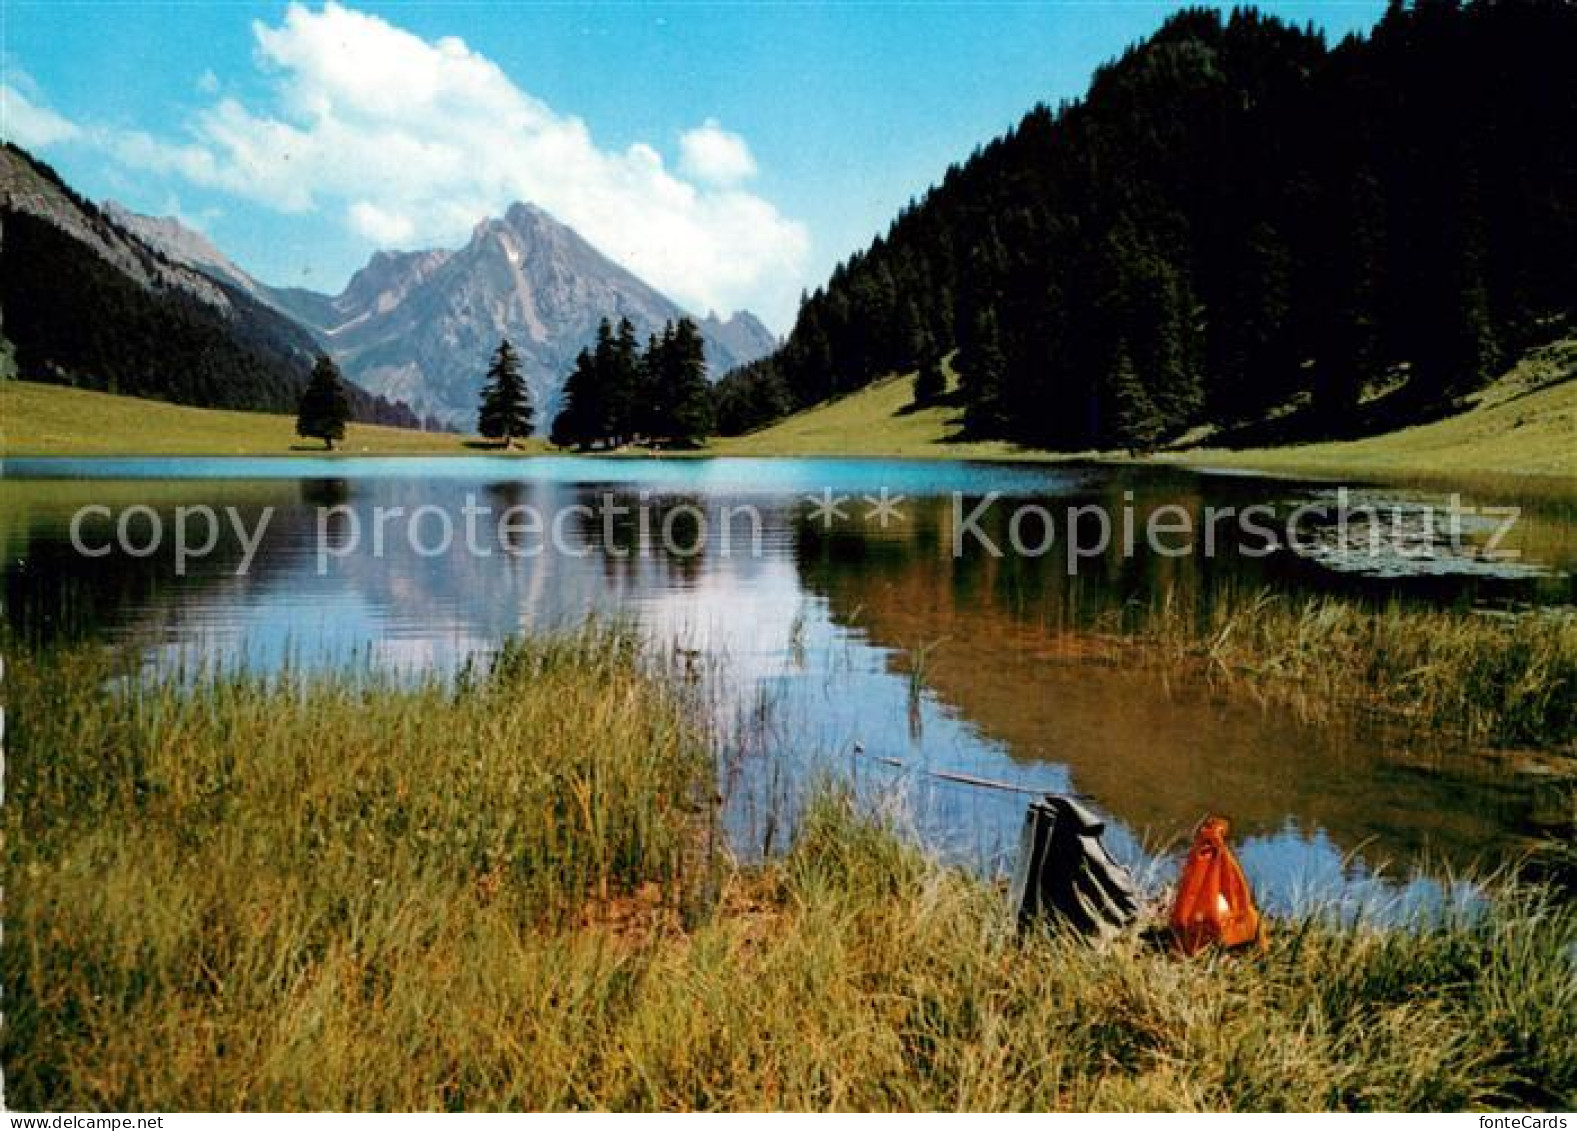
75,319
1238,217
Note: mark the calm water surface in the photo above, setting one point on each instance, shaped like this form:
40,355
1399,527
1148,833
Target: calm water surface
824,637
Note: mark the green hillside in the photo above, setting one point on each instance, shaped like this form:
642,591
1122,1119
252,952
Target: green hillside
878,420
38,419
1525,423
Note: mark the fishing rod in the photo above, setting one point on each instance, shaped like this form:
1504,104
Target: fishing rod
971,780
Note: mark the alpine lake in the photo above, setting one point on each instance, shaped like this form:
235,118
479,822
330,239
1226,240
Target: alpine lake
871,620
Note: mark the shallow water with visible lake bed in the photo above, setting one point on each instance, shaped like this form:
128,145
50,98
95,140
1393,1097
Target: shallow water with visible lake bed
846,626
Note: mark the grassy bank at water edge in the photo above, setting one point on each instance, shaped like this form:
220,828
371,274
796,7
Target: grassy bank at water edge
339,891
1525,424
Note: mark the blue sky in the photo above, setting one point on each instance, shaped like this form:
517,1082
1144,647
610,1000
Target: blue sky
729,153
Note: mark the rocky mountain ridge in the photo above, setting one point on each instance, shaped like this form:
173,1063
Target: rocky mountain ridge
419,325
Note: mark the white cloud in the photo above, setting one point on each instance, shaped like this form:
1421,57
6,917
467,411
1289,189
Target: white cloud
413,141
712,154
29,125
199,221
378,225
144,151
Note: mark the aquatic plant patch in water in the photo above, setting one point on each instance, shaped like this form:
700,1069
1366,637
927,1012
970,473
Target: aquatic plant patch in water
1504,680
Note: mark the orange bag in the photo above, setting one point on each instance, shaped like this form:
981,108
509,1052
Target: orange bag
1214,904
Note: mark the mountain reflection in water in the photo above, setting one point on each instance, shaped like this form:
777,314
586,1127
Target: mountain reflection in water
861,633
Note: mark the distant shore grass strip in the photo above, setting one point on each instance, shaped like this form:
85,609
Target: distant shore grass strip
336,891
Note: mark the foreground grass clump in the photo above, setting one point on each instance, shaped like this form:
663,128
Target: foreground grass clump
209,886
343,893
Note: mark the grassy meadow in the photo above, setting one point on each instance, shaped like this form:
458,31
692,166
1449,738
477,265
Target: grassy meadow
53,420
1525,423
1522,427
878,420
40,419
339,891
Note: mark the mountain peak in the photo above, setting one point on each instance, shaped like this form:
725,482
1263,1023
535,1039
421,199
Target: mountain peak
519,218
741,335
135,277
520,213
419,325
383,284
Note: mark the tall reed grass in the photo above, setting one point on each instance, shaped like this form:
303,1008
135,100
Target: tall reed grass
343,892
1507,680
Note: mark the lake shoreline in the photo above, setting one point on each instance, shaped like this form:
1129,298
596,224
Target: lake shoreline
350,909
41,420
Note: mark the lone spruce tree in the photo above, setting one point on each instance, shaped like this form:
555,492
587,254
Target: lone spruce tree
623,384
324,409
506,403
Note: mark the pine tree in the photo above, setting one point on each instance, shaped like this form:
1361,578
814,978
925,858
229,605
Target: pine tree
324,409
600,407
622,384
1455,348
1136,422
910,340
929,384
808,367
1253,367
657,384
1174,380
506,410
1348,313
575,425
685,395
981,378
